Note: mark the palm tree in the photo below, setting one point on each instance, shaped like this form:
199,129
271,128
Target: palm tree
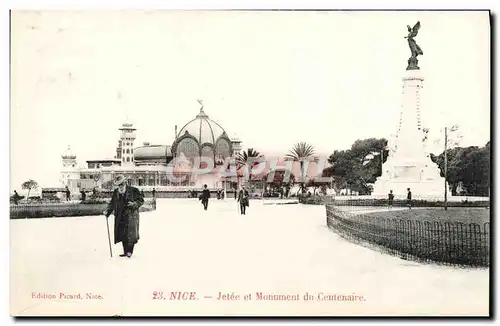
301,152
248,158
30,184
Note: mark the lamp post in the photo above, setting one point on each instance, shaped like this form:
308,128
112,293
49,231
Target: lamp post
453,128
445,168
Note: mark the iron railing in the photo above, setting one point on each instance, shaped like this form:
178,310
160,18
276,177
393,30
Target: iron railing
450,242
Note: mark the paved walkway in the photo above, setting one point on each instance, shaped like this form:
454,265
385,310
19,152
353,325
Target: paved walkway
276,249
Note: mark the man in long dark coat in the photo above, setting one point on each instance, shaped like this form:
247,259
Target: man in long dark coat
408,198
205,195
243,198
68,194
125,204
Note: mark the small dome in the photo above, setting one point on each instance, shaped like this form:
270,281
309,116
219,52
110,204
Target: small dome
68,154
151,152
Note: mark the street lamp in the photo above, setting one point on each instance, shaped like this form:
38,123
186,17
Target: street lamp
452,129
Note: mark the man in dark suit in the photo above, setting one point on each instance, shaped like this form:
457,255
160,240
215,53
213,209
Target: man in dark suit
391,199
409,198
243,198
125,204
205,195
68,194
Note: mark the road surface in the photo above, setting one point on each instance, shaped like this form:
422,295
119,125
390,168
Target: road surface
275,254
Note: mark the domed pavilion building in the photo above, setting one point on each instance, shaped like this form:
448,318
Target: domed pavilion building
162,167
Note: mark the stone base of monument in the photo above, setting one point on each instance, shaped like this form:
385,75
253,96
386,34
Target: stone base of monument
428,190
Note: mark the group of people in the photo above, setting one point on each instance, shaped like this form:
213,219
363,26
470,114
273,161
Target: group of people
242,197
125,203
391,198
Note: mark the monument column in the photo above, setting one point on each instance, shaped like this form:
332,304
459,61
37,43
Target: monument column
408,165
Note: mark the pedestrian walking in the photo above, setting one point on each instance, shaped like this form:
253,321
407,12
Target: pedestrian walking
243,199
391,198
125,203
68,194
16,198
408,198
205,195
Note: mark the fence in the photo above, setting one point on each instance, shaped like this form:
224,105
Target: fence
41,210
339,201
452,243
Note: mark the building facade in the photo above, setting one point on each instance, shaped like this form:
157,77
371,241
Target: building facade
163,167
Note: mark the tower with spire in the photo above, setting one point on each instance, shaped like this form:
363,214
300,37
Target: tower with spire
125,149
70,174
236,144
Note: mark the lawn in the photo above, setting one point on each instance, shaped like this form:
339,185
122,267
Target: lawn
456,236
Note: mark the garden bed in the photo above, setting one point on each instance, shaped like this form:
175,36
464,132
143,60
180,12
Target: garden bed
42,210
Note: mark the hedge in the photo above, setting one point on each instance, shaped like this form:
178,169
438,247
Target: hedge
66,209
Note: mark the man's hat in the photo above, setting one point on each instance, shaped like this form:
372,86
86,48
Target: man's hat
119,180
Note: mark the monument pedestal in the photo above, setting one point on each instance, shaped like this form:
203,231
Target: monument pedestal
408,164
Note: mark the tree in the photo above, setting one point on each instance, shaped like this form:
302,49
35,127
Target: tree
29,185
358,166
468,167
301,152
248,158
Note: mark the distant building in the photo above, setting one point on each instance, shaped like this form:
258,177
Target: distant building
147,166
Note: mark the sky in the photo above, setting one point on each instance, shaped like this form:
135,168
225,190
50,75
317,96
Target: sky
271,78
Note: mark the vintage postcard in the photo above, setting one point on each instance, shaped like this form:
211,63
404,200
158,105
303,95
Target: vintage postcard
250,163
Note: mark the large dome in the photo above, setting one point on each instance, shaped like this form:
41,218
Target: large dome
203,129
202,137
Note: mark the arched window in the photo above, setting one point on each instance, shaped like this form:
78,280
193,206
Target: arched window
128,151
222,148
208,152
189,147
128,159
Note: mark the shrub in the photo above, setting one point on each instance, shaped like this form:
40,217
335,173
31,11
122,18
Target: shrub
94,201
51,198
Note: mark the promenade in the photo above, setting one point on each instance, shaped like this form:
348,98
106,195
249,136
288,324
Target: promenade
275,253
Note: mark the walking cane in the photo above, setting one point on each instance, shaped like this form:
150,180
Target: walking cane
109,239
